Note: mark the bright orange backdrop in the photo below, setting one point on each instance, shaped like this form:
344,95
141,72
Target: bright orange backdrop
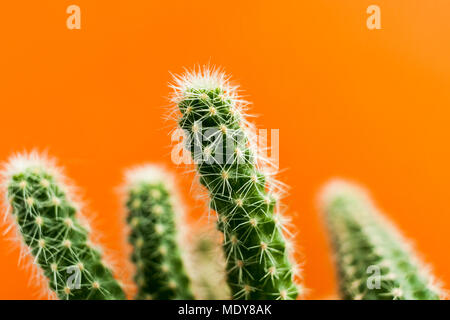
373,106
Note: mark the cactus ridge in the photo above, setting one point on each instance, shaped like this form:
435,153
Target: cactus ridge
368,248
151,215
243,195
48,222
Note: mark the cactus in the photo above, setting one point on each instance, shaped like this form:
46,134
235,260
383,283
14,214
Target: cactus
151,214
48,220
240,191
208,264
373,259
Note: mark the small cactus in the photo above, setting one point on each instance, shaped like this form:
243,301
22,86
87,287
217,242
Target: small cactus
152,216
208,265
47,218
244,196
374,261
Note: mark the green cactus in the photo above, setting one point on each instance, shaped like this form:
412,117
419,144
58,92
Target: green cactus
374,260
152,212
244,196
48,221
208,264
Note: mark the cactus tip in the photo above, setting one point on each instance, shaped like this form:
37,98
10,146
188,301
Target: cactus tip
149,173
201,78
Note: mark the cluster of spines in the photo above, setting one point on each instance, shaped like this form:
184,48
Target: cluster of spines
258,263
49,226
151,215
374,261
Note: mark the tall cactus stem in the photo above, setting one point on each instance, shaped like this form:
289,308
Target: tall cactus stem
241,191
47,220
155,219
374,261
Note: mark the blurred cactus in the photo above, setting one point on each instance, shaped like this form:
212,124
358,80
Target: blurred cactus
48,221
208,266
374,261
244,196
152,214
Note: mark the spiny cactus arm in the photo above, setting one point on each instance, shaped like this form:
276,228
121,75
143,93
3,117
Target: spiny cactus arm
49,226
374,260
220,142
151,214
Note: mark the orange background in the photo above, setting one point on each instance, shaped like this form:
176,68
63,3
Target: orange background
373,106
